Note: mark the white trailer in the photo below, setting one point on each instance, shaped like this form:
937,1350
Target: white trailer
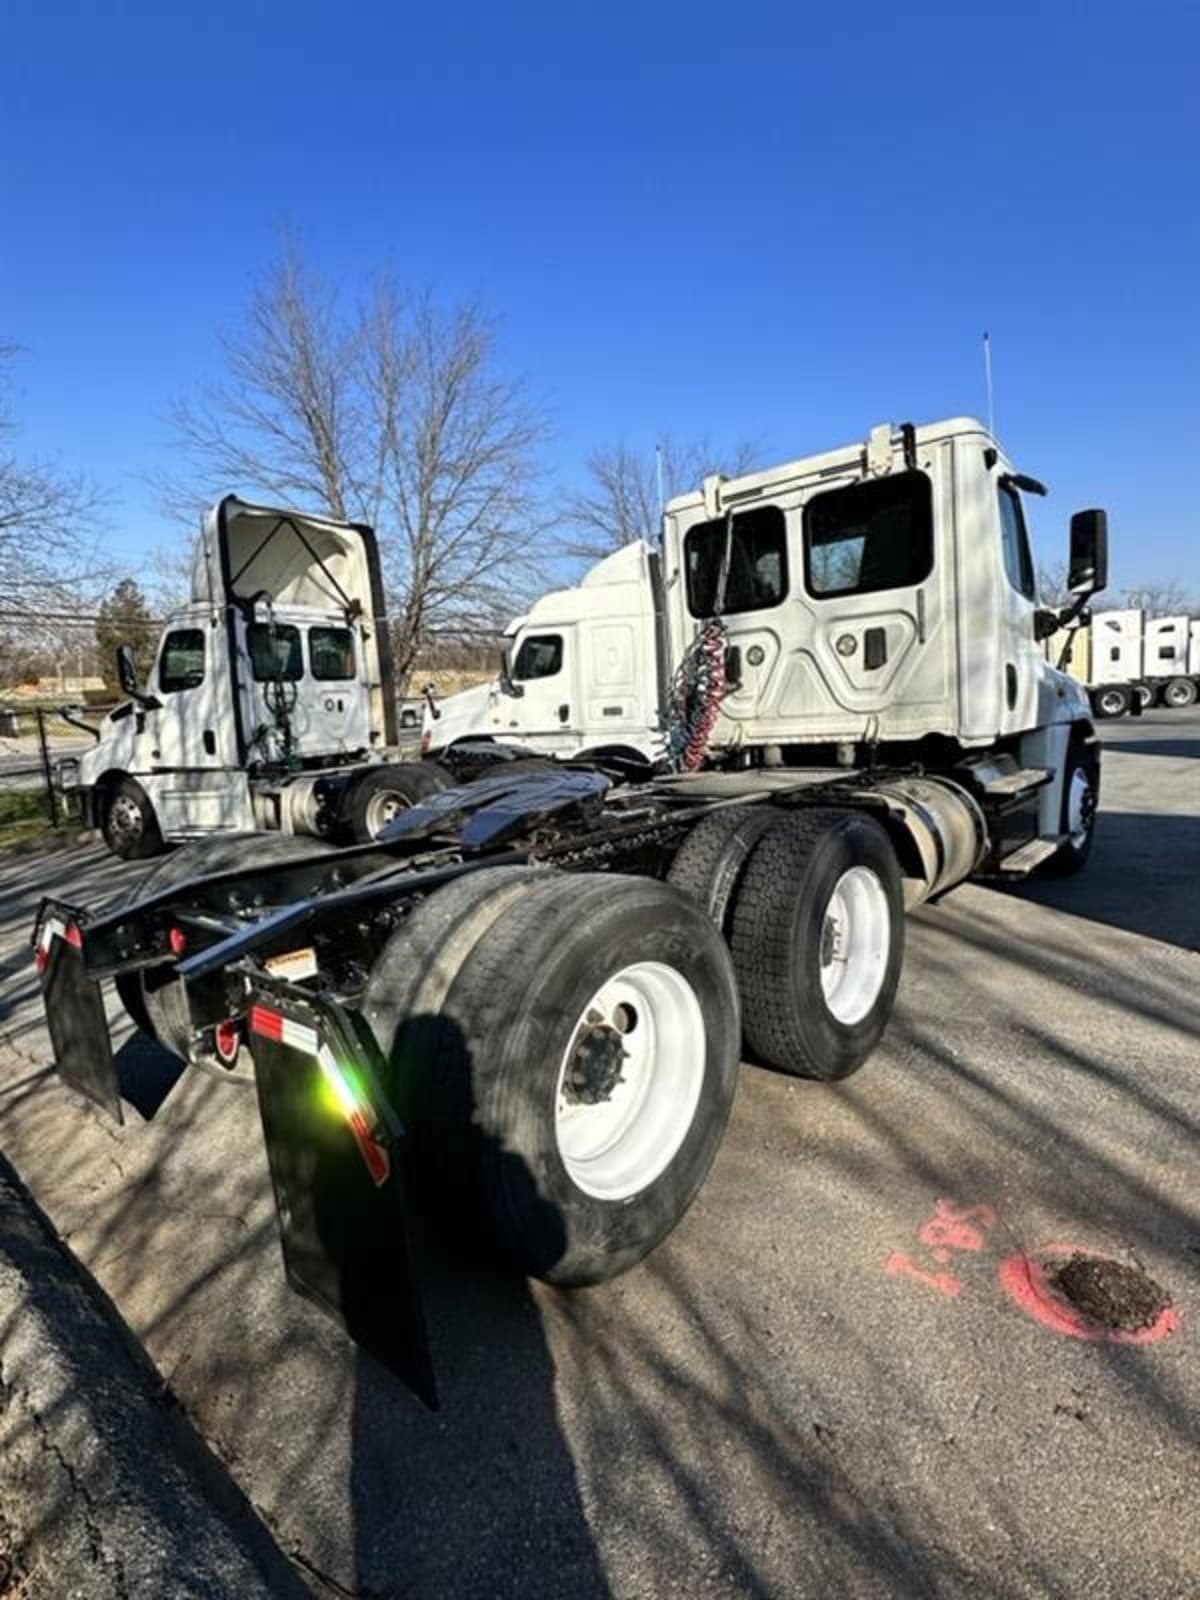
1128,661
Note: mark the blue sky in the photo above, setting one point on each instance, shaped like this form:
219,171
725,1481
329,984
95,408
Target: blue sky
767,221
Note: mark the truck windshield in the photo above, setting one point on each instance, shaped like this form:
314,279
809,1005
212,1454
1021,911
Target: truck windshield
331,653
274,652
757,562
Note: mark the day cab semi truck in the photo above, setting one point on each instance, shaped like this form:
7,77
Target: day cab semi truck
270,704
531,990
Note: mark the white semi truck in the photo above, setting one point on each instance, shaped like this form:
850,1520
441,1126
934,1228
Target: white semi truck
1129,661
270,704
532,990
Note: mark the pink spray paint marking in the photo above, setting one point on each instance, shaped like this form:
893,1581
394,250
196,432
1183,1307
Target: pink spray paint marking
952,1228
944,1282
1025,1278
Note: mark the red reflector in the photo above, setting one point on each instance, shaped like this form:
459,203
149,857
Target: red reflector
41,958
74,936
177,939
268,1023
228,1037
379,1163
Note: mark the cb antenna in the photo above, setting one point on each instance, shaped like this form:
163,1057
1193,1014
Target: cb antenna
987,378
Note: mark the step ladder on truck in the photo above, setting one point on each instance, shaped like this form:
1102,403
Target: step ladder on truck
525,1001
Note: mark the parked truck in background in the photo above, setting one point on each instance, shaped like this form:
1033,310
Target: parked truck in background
1130,661
271,702
532,989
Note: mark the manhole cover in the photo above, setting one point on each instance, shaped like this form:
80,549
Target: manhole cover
1088,1296
1110,1293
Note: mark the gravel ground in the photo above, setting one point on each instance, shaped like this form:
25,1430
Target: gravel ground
821,1384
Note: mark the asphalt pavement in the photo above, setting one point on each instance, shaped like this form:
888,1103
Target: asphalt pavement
831,1380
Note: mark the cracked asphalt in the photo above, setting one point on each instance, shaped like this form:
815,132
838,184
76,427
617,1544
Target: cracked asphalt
819,1385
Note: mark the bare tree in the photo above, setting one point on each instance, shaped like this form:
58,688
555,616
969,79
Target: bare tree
1160,599
49,571
621,500
393,414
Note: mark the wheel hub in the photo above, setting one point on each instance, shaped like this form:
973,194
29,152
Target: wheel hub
594,1069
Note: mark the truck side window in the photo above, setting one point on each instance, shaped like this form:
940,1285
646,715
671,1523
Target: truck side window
181,665
870,536
758,575
540,656
274,652
1018,563
331,654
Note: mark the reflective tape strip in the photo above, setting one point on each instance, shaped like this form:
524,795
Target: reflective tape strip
273,1025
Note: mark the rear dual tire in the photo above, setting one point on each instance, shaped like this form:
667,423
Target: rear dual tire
574,1081
812,904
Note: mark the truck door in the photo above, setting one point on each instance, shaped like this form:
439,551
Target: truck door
543,669
1022,662
187,743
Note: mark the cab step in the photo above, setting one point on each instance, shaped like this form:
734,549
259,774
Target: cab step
1014,785
1022,862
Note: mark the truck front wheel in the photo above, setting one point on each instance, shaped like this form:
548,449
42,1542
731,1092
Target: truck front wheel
1081,794
128,823
583,1071
818,940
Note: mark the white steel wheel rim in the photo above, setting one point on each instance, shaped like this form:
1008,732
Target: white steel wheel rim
616,1147
383,807
125,817
1079,818
855,941
1112,703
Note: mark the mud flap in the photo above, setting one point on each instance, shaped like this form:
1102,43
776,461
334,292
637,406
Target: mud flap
75,1009
334,1148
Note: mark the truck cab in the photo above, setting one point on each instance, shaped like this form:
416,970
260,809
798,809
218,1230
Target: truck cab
579,670
276,671
875,597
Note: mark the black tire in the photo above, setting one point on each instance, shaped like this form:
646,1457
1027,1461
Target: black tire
1179,693
411,977
1145,694
781,941
710,862
1111,701
1083,759
128,823
377,794
164,1004
507,1022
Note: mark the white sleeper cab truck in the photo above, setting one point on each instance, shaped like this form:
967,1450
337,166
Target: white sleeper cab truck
1130,662
270,704
527,997
581,671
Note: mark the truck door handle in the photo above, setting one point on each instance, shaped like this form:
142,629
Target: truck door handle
564,713
210,742
1010,684
874,648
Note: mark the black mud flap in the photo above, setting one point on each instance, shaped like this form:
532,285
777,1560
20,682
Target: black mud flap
75,1009
334,1147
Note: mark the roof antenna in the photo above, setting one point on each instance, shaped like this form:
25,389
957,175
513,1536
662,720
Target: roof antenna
987,375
